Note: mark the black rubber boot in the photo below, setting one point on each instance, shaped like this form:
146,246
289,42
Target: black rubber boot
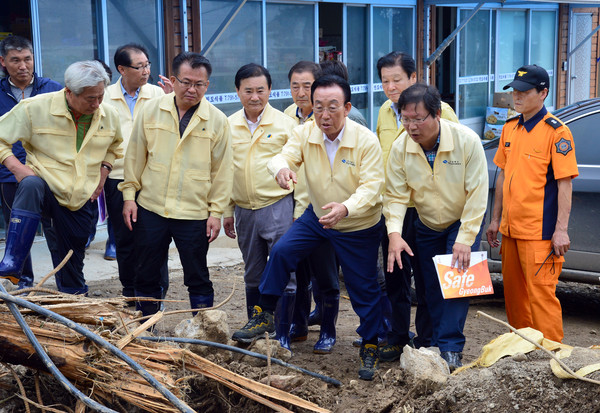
299,328
330,308
314,318
201,301
283,318
148,307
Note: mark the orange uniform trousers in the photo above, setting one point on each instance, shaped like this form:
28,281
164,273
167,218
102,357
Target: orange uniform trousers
530,275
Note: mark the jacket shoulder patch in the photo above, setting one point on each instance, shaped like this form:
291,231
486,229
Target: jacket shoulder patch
555,123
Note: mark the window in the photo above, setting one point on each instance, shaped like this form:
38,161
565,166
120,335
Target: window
473,72
542,49
68,35
392,30
238,45
290,38
356,57
133,21
493,45
511,42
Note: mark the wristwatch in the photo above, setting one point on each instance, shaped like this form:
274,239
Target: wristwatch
107,167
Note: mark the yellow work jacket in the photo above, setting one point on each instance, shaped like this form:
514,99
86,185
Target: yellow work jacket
301,200
186,177
45,126
388,130
253,187
356,179
114,96
293,109
455,189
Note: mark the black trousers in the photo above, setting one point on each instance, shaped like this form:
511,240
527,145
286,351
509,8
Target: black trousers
153,234
398,289
127,260
70,230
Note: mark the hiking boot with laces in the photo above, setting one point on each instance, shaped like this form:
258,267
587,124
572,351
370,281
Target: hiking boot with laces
256,327
389,353
369,361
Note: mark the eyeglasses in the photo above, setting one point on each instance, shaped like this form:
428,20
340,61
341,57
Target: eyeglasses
138,68
331,109
189,85
407,121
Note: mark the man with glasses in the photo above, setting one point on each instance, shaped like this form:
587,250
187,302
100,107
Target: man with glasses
179,163
263,211
344,188
397,72
440,167
20,82
128,96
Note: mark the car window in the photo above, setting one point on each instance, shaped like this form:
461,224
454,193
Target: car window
585,134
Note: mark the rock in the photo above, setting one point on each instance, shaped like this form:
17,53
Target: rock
520,357
285,383
424,364
210,325
260,346
594,332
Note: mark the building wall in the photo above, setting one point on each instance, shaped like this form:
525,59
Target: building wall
563,42
563,48
174,39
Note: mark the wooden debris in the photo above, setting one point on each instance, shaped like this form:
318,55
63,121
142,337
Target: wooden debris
109,378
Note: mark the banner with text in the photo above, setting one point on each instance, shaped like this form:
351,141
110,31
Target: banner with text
473,282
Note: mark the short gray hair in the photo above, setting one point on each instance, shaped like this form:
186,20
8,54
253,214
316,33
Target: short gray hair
81,75
17,43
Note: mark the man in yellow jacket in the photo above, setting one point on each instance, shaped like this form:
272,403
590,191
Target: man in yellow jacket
318,273
440,167
179,160
128,96
344,187
397,72
72,141
263,211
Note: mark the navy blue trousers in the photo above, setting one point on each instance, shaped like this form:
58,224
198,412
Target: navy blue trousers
153,234
70,229
447,316
357,252
124,241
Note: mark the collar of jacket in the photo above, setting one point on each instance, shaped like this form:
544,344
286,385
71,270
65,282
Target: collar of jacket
58,106
143,94
268,117
349,139
446,140
167,102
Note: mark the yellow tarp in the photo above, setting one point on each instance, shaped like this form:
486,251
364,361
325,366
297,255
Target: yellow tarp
510,344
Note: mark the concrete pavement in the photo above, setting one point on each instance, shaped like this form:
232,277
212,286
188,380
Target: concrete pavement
223,252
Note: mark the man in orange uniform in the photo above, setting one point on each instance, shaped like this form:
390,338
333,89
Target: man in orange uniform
536,157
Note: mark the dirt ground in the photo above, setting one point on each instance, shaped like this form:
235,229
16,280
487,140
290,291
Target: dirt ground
512,384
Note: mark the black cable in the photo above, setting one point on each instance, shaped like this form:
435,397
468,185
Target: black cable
101,342
326,379
75,392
